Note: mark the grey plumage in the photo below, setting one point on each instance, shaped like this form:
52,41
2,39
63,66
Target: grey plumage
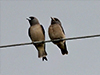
36,33
56,32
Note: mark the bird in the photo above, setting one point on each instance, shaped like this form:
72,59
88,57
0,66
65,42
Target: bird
56,31
36,32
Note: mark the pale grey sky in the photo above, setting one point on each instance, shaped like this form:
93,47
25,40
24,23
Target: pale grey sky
78,18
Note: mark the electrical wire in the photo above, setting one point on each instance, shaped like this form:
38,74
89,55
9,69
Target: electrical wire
73,38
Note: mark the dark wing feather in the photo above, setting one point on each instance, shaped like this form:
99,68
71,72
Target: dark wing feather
43,33
43,30
62,29
29,33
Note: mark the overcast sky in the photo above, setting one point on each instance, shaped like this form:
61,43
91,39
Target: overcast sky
78,18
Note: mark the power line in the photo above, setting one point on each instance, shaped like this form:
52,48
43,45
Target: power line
73,38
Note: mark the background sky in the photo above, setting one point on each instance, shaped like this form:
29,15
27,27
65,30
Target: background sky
78,18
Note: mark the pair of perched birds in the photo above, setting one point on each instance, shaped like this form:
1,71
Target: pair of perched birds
37,33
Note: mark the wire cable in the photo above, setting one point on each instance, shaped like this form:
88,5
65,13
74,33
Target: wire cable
73,38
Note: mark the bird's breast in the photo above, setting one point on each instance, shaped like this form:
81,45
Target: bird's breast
36,33
55,32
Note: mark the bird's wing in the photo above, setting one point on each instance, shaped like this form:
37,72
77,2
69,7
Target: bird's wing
43,33
43,30
29,33
62,29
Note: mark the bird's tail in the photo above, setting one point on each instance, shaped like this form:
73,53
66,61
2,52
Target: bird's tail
41,51
43,54
44,58
63,48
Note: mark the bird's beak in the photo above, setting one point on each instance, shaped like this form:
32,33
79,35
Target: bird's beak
52,18
27,19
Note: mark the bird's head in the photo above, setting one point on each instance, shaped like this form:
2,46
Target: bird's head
32,20
55,21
